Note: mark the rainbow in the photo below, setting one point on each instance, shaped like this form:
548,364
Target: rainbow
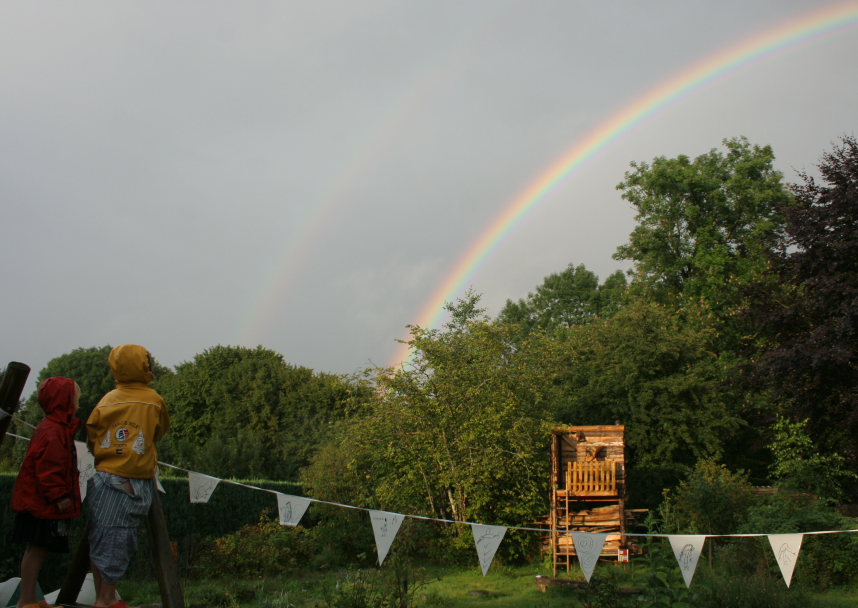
803,30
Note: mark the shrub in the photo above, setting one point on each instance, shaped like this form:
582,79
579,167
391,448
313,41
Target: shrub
824,560
800,467
263,549
603,591
394,585
661,580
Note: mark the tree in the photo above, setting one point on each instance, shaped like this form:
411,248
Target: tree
240,412
90,369
703,225
656,373
806,311
571,297
713,499
459,433
799,467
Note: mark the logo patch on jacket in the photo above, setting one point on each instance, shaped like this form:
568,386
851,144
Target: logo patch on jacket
139,445
119,452
122,434
106,443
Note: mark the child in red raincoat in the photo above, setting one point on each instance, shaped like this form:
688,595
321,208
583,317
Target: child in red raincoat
47,491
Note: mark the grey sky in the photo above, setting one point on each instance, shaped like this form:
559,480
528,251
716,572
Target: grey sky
304,175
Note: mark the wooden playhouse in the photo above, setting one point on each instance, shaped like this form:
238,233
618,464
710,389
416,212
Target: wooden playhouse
588,490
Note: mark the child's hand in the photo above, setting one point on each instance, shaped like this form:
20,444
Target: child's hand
64,504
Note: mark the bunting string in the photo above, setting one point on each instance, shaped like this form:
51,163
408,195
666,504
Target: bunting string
466,523
687,548
16,419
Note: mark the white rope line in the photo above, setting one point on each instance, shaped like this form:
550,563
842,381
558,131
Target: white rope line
15,418
470,523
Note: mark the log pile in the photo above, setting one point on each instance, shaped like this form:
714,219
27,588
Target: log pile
597,519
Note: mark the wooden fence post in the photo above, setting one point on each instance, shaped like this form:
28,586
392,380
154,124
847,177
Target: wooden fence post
14,379
76,574
165,566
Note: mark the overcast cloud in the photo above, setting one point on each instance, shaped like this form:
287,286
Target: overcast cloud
304,175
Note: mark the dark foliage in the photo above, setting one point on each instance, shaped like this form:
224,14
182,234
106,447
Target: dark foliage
241,412
807,319
90,369
230,508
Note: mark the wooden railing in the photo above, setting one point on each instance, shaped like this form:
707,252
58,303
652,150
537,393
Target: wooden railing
592,478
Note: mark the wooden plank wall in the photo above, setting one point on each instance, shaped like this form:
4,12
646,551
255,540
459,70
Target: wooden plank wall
610,440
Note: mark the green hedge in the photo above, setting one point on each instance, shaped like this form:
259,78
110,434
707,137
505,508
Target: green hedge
229,508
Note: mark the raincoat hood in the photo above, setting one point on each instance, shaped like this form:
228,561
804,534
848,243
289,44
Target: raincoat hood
56,398
130,363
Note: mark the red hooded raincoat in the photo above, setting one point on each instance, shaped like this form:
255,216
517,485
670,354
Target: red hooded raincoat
49,471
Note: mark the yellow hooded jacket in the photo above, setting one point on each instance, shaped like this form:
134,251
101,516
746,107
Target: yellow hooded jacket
126,423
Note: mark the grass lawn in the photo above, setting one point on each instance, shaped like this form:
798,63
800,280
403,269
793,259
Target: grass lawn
844,597
504,587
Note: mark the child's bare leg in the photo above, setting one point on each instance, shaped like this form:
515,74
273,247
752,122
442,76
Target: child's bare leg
126,485
31,564
106,595
96,578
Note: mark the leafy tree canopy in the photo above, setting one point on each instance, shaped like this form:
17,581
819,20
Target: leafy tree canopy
799,467
90,369
806,313
713,499
460,432
650,369
703,224
240,412
571,297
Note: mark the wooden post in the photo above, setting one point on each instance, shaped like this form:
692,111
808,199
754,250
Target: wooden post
621,503
76,574
162,554
14,379
555,483
165,566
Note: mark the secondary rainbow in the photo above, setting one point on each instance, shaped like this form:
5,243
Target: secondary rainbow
303,235
804,30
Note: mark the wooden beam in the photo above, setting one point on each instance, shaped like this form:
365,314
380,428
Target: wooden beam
76,574
165,566
14,379
568,441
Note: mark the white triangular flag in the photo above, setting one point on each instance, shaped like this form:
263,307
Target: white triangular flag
291,508
158,481
385,526
687,549
487,539
86,466
588,548
201,486
786,548
8,589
